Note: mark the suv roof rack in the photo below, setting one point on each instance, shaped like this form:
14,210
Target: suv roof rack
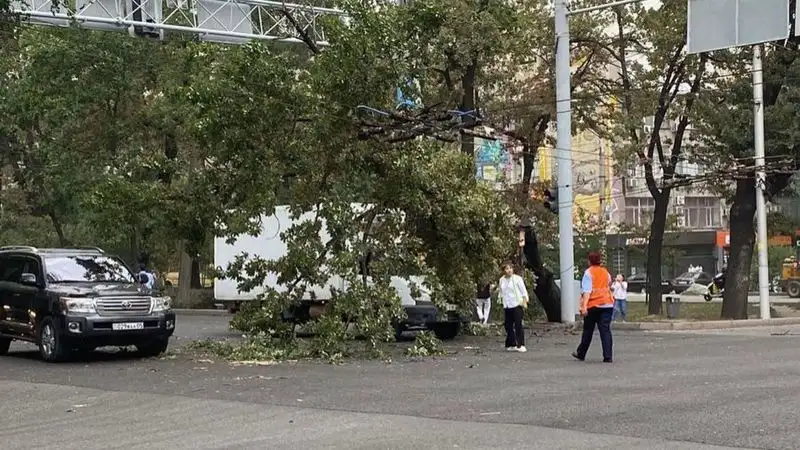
51,250
17,247
72,250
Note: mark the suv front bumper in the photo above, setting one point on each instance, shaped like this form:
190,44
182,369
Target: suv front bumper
98,331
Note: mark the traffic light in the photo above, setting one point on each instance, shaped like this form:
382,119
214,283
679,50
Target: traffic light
551,200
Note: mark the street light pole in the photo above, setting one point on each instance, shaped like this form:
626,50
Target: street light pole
566,253
761,182
566,238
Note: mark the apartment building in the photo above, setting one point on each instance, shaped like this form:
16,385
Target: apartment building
696,217
693,208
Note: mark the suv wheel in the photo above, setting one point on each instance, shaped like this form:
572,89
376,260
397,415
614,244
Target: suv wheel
153,348
447,330
51,347
5,343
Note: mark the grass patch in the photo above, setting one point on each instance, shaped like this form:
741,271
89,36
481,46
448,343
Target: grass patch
637,312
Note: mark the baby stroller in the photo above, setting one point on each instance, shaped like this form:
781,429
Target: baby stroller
717,287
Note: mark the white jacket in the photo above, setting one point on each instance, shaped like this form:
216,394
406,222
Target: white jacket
512,291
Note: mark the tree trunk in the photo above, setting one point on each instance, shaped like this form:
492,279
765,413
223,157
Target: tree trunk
528,161
62,237
184,297
547,291
196,283
468,108
743,238
655,246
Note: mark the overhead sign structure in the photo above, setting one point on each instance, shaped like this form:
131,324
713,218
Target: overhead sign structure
720,24
228,21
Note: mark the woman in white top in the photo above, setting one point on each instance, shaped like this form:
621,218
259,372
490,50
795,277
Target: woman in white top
620,290
514,297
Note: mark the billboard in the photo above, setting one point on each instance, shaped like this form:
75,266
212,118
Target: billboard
720,24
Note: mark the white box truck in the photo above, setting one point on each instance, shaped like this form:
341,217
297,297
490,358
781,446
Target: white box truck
421,313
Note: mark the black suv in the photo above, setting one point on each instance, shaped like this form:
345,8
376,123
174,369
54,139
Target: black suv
76,300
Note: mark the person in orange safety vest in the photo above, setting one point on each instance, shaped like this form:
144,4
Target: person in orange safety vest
597,308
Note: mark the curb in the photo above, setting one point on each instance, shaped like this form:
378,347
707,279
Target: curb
202,312
706,325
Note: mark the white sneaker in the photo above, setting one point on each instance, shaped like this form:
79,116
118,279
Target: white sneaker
522,349
511,349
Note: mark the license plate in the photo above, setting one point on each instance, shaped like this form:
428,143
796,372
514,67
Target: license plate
450,307
127,326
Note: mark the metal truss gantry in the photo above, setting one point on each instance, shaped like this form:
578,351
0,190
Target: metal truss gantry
224,21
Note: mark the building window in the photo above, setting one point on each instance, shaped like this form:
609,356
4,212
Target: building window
702,212
639,211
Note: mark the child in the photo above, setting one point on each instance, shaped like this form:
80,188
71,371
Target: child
620,290
514,297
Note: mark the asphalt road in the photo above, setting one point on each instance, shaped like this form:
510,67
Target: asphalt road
689,390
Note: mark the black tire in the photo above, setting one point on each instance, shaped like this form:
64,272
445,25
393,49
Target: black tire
398,332
153,348
446,330
707,297
51,346
793,289
5,343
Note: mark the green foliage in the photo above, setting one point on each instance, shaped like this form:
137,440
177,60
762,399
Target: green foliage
775,257
426,344
256,348
477,329
136,145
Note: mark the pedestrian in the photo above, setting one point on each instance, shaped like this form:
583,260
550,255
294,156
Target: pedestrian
483,302
620,290
146,278
514,297
597,308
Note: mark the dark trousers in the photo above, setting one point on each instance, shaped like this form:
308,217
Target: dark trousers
515,335
601,318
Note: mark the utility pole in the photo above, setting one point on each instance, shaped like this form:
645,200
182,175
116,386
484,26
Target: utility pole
761,183
566,252
566,238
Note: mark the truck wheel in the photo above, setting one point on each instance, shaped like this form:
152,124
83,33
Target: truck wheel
153,348
51,346
793,289
446,330
5,343
398,332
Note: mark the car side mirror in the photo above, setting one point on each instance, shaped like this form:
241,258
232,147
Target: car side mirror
28,279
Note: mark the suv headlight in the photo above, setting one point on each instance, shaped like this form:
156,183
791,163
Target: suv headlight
161,304
78,305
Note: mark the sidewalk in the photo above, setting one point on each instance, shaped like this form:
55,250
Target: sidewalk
704,325
774,299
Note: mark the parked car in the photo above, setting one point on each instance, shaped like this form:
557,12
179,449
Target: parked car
69,301
686,279
638,284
